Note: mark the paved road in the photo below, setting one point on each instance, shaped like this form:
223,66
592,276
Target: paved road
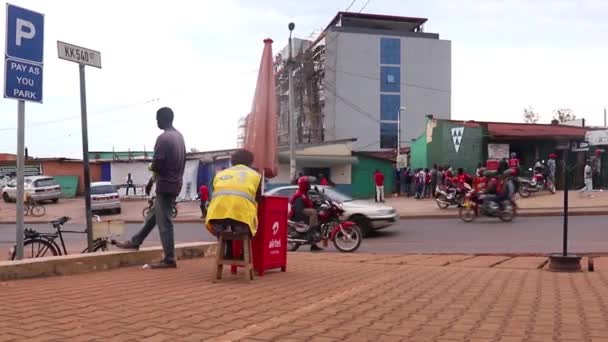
524,235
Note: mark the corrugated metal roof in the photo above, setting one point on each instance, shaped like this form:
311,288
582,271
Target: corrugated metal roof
534,131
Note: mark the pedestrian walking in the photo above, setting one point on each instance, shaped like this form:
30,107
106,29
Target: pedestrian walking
379,182
588,179
168,166
398,176
407,182
203,196
552,165
419,184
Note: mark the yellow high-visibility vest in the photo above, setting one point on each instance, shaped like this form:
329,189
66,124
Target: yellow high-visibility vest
234,192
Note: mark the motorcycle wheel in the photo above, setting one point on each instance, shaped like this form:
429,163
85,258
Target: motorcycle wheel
508,214
349,241
524,192
466,213
441,202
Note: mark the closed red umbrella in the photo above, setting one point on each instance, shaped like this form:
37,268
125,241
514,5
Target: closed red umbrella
261,126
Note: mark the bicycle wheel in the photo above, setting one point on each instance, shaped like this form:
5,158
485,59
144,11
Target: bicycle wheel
35,248
38,210
100,245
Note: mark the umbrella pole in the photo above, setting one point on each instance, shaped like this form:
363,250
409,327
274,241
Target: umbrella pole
263,185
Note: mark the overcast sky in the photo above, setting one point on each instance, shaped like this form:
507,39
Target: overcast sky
201,59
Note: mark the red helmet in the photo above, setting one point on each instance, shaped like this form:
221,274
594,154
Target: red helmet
303,184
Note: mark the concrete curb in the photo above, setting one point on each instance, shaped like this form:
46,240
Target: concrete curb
540,212
82,263
520,214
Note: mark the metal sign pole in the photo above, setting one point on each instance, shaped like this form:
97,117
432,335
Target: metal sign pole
85,158
20,176
566,185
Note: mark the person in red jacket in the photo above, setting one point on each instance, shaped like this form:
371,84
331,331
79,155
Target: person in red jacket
514,164
302,208
203,196
379,181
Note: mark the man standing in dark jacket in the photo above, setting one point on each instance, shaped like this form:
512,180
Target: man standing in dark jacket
168,166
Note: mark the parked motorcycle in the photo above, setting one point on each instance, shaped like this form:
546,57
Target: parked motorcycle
473,207
445,197
537,183
345,235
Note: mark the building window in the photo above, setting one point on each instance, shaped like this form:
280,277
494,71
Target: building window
390,79
389,107
388,135
390,51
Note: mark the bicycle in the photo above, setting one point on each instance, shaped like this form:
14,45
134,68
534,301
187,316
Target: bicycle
33,208
147,209
44,244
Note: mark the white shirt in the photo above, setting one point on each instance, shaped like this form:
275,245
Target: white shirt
588,172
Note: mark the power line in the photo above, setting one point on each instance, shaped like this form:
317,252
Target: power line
410,85
351,5
358,109
366,3
50,122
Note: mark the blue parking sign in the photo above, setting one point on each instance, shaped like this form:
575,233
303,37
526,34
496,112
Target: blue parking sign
23,80
24,54
24,34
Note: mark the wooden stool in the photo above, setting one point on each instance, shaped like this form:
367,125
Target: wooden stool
225,239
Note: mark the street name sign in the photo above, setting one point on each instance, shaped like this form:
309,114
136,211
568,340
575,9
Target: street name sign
79,54
24,54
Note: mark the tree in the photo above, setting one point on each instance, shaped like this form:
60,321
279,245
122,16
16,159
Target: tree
530,116
564,114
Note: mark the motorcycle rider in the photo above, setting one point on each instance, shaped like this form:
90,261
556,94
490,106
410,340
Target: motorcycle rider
506,191
303,210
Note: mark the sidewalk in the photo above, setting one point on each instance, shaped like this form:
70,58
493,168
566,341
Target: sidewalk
539,204
322,297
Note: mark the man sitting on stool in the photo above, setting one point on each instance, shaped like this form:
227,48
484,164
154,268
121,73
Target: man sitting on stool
236,191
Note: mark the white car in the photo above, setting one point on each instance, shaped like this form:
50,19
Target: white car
104,196
368,215
41,188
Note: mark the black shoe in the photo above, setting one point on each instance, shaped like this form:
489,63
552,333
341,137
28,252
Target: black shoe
163,264
127,245
315,248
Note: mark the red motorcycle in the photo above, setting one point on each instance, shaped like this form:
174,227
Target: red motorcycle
539,182
345,235
473,207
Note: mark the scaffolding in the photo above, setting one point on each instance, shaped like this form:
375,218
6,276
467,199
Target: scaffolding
308,95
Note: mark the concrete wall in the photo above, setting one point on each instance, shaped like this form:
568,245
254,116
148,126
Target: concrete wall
352,80
65,168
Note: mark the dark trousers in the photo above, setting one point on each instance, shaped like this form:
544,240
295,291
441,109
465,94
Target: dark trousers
129,186
204,208
160,214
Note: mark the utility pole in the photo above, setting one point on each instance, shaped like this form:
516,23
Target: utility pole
604,117
292,110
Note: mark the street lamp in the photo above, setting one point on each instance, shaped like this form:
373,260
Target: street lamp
399,132
292,111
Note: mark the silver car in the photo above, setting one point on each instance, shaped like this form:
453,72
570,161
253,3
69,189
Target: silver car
104,196
41,188
368,215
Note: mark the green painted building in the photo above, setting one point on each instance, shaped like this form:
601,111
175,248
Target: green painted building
363,185
449,143
467,143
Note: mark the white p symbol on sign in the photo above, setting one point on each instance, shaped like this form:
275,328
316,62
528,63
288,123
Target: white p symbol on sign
24,34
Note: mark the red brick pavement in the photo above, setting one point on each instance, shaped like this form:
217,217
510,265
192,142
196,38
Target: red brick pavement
320,298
